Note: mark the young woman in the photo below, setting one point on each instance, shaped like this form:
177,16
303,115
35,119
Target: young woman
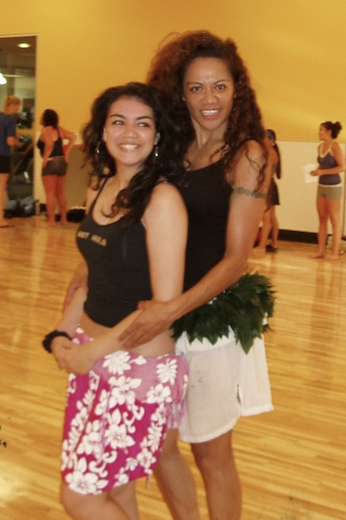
8,138
120,403
331,162
270,225
54,164
206,84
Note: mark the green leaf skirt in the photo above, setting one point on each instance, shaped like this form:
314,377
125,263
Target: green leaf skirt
245,307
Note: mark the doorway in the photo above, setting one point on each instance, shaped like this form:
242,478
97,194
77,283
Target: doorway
17,77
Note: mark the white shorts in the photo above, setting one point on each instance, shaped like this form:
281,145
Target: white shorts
224,384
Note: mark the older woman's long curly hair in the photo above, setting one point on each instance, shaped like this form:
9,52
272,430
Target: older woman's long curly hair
169,163
167,72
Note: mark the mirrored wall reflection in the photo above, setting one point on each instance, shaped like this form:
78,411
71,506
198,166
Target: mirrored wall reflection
17,77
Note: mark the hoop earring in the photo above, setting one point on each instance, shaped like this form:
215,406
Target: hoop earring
102,169
98,149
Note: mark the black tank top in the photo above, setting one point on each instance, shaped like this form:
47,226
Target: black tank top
57,150
116,255
206,195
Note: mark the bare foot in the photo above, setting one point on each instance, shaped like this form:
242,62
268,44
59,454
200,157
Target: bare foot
334,257
317,255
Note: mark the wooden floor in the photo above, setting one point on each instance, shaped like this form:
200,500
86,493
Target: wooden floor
292,461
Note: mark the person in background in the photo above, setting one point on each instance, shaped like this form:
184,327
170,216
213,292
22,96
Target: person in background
331,162
205,83
270,224
8,138
54,164
121,404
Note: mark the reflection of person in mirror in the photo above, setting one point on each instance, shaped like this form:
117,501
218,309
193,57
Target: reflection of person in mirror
8,138
54,165
122,405
331,162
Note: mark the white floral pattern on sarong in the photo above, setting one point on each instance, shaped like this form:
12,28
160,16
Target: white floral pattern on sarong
117,417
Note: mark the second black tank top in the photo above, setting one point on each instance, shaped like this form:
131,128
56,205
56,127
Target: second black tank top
206,194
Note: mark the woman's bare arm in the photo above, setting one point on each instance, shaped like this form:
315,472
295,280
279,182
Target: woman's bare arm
68,323
70,137
47,138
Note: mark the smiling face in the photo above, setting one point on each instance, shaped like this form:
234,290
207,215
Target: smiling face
208,90
129,132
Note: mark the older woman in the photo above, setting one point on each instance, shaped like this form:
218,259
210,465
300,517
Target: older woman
206,84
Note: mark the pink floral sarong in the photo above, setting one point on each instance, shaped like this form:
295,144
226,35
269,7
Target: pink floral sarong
117,417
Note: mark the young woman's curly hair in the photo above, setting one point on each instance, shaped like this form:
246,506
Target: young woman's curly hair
167,73
169,162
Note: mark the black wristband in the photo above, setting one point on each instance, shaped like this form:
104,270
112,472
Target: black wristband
49,338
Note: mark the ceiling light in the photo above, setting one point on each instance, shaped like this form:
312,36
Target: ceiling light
3,80
23,45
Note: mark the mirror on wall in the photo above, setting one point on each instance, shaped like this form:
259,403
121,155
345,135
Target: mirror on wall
17,77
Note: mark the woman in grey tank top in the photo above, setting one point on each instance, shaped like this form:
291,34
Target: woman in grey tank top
331,162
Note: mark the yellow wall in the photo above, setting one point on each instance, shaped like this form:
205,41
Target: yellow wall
294,50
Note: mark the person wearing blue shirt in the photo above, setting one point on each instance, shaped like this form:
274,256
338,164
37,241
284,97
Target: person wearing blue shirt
8,138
